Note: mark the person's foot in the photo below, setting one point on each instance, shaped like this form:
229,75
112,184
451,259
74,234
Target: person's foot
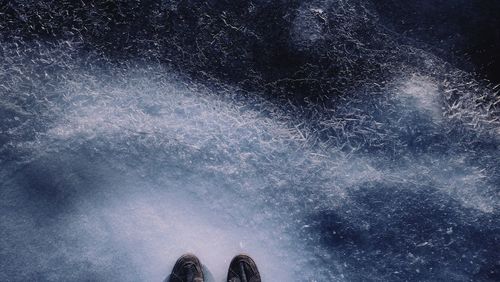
243,269
187,269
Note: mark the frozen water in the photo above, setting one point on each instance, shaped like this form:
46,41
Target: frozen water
110,170
116,171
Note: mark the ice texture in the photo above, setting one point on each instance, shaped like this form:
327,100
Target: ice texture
375,160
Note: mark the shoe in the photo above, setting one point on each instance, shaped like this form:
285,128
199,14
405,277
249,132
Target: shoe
187,269
243,269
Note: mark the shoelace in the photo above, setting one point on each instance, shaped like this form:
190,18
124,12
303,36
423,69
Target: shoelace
190,267
242,270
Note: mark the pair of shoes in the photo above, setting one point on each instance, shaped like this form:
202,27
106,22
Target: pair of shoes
188,269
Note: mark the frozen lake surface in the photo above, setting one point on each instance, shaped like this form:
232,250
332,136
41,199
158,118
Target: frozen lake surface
111,169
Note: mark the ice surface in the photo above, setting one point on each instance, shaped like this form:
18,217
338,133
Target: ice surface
111,169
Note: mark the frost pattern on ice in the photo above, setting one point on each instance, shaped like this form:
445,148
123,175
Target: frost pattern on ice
114,169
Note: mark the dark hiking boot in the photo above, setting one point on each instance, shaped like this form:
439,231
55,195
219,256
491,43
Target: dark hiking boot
187,269
243,269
